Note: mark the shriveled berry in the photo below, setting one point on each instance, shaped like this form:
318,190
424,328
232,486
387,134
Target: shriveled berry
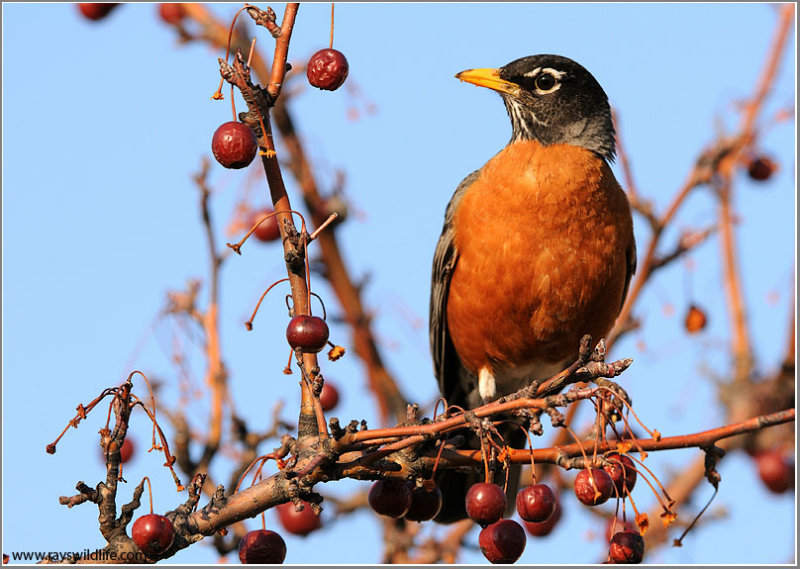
298,523
761,168
485,503
541,529
626,546
503,541
96,10
593,486
536,503
234,145
425,504
775,471
390,497
696,319
309,333
329,396
327,69
171,13
262,546
153,534
267,230
622,472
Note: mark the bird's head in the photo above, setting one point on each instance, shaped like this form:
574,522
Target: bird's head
553,100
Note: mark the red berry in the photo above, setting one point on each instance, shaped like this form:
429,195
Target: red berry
390,497
622,472
262,546
329,396
485,503
267,230
327,69
626,546
309,333
153,534
536,503
125,453
541,529
298,523
593,486
775,471
425,504
171,13
502,542
96,10
695,320
761,168
234,145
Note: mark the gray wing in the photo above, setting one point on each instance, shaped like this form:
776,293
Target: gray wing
446,363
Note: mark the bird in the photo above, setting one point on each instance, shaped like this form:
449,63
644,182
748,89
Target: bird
537,248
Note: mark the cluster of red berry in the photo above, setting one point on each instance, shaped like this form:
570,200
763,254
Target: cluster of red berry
170,13
503,540
234,145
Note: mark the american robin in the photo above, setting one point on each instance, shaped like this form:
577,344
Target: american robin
537,248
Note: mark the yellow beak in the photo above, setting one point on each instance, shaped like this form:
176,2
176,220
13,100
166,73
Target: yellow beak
488,78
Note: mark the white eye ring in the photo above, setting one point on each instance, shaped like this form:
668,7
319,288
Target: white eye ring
556,83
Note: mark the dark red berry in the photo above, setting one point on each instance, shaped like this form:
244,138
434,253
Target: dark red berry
234,145
696,319
485,502
327,69
262,546
390,497
775,471
125,453
626,546
622,472
536,503
425,504
593,486
761,168
503,541
267,230
171,13
96,10
153,534
309,333
329,396
541,529
298,523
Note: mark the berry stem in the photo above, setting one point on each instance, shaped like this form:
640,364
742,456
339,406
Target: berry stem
262,459
324,312
530,443
149,492
325,224
249,323
252,49
331,44
237,246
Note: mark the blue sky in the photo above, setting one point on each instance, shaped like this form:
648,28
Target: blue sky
105,123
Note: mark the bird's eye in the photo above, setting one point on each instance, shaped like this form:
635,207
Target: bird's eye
545,82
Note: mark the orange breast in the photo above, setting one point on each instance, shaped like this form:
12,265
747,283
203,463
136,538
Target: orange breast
542,237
